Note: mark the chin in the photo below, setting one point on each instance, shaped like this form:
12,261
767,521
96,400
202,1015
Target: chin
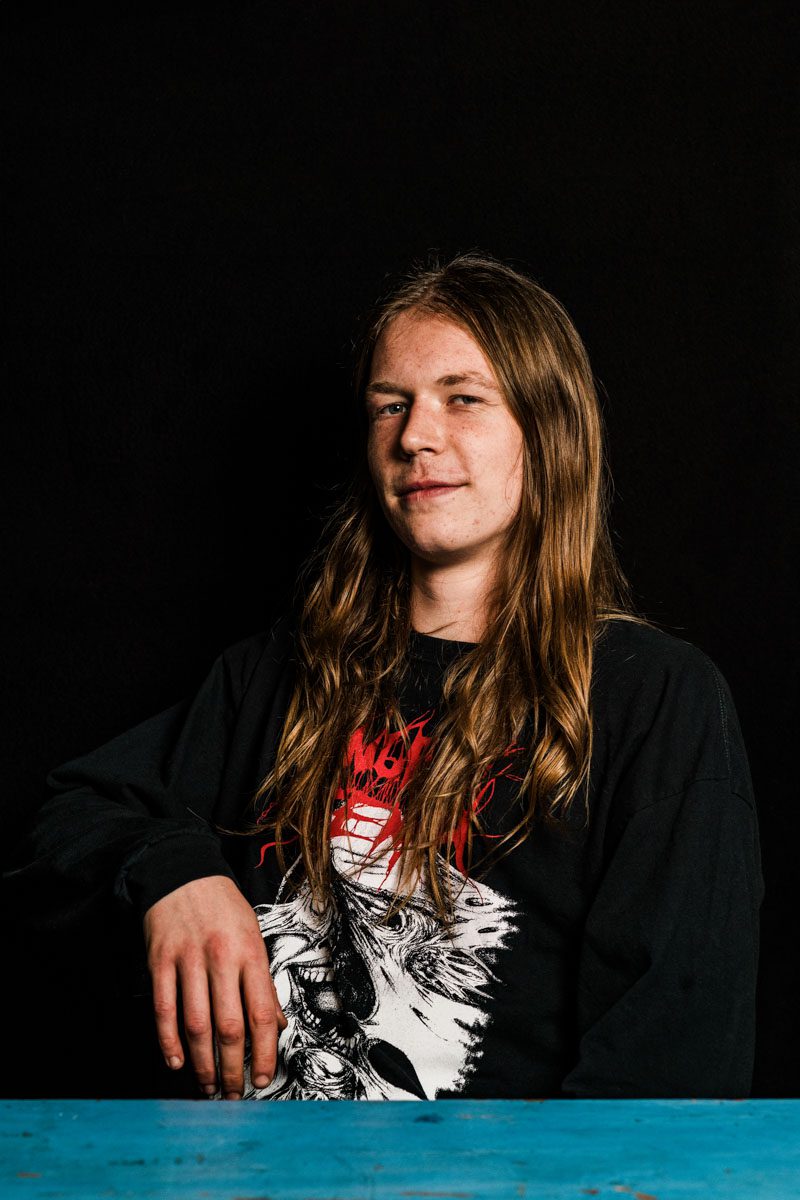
438,554
439,548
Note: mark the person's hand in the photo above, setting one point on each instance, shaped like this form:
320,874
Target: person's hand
205,937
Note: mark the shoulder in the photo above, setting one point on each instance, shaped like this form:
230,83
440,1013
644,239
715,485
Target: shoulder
261,656
642,658
663,706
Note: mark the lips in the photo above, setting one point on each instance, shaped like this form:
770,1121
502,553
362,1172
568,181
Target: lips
427,486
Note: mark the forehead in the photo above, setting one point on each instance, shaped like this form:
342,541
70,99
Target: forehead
427,344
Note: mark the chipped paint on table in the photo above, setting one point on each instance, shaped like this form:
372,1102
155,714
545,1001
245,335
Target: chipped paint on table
396,1150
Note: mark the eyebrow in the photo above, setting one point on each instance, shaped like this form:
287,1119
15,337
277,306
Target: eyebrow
384,387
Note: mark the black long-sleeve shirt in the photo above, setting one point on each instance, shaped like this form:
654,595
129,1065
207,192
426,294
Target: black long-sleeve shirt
617,960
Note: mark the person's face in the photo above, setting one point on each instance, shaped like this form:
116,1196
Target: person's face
436,412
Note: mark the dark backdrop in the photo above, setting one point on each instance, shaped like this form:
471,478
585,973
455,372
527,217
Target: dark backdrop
201,200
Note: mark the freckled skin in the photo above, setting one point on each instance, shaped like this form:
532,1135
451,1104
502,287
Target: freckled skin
432,431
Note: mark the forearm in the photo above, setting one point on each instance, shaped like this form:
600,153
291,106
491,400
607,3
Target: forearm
83,855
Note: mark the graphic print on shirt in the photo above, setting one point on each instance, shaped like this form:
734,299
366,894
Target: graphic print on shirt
391,1011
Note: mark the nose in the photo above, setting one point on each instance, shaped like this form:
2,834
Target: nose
423,428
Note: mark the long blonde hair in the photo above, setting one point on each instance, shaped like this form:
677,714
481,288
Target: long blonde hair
558,583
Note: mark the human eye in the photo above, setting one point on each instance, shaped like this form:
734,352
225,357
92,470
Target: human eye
471,399
383,409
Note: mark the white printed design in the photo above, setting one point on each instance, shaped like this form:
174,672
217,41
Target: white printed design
376,1011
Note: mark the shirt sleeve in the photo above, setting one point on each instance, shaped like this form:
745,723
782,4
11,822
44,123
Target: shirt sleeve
669,957
130,821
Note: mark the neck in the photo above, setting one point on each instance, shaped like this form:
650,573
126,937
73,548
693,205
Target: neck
449,602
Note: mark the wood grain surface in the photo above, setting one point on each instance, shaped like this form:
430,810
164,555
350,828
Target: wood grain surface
350,1150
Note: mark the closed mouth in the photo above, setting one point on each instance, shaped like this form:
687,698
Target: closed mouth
429,487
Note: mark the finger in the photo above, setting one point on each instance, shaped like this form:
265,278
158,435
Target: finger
261,1005
165,1011
229,1029
197,1022
282,1022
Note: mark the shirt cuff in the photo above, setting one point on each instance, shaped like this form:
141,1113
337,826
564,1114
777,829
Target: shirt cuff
161,866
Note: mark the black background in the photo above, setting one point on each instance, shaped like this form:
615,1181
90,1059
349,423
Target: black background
200,202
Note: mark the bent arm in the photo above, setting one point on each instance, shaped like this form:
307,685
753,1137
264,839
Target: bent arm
131,820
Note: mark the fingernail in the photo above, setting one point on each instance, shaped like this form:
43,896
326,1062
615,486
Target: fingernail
209,1089
261,1080
233,1095
174,1062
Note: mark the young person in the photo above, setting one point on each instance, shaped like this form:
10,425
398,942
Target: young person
464,825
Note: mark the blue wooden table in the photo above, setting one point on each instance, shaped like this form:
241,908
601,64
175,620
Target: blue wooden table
349,1150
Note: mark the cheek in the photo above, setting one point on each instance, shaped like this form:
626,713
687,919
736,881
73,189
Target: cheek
377,468
518,472
376,456
373,458
513,470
